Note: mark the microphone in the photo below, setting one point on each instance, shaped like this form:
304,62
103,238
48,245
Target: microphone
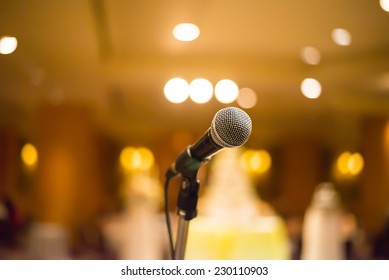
230,127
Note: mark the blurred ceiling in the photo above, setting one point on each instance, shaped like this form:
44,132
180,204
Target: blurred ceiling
116,56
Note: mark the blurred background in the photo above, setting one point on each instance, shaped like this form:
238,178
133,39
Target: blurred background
98,97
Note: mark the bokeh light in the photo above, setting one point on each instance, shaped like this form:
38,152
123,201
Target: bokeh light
247,98
384,5
200,90
29,155
8,44
186,32
355,164
311,88
310,55
255,161
226,91
349,164
176,90
342,163
341,37
136,159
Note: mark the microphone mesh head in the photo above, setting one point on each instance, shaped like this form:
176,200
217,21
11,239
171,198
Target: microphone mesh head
231,127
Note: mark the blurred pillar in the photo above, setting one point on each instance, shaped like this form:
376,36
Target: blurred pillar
10,199
300,170
373,199
8,162
70,182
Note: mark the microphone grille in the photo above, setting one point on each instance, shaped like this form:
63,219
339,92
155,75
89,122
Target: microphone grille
231,127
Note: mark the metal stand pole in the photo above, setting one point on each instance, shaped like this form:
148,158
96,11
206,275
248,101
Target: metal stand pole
182,236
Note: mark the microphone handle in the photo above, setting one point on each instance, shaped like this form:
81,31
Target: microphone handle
189,161
204,147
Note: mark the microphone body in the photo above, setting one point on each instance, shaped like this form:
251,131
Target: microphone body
231,127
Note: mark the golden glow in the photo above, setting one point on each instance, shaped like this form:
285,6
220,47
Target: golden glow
147,158
226,91
311,88
8,44
341,37
349,164
176,90
342,163
186,32
260,161
247,98
355,164
200,90
126,157
135,159
385,5
256,161
310,55
29,155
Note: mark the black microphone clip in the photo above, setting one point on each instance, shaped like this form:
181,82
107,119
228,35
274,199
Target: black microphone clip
186,165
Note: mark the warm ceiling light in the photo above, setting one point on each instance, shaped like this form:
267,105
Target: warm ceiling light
310,55
247,98
8,44
385,5
341,37
200,90
311,88
226,91
186,32
176,90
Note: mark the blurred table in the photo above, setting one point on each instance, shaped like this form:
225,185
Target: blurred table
259,238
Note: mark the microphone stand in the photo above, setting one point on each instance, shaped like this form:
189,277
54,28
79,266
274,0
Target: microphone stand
188,168
187,210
